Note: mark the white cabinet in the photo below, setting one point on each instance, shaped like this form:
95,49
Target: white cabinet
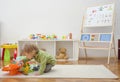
52,46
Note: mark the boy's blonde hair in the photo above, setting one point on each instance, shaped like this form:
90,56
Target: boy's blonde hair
29,47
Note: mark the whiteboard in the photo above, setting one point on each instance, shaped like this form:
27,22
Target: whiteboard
99,16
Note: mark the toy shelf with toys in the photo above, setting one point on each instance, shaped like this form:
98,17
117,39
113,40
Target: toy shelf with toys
53,47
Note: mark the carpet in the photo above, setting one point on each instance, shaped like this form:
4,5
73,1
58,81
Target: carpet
70,71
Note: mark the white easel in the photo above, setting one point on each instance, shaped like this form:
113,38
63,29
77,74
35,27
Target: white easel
99,16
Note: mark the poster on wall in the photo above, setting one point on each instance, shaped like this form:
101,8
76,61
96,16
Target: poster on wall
99,16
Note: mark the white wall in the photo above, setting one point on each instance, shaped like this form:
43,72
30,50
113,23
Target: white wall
23,17
19,18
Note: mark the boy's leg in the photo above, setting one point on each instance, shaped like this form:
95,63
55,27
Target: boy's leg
48,68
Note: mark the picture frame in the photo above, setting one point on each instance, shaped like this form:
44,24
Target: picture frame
85,37
105,37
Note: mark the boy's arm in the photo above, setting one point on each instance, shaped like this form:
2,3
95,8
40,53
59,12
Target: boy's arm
23,61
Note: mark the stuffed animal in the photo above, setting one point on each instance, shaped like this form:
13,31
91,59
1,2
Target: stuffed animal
25,69
62,54
13,69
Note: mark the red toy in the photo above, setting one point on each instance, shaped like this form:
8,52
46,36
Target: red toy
15,53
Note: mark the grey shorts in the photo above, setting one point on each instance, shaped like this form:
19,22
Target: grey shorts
48,68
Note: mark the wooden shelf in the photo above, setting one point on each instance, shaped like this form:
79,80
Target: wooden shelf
96,41
90,47
53,46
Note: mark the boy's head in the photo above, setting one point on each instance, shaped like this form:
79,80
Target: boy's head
30,50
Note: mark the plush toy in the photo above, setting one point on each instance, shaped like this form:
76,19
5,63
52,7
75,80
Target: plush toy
25,69
12,68
62,54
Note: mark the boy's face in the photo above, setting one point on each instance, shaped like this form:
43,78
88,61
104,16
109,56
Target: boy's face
30,55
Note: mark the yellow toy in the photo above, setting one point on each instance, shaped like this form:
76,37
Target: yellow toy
25,69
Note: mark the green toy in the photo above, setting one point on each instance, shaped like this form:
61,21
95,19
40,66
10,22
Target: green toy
25,69
7,56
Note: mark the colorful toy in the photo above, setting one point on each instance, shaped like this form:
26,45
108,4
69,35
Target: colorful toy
43,36
92,37
70,35
39,36
25,69
6,50
48,37
33,36
64,37
53,37
36,67
12,68
17,66
21,65
20,58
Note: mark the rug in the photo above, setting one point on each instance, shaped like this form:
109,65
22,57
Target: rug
70,71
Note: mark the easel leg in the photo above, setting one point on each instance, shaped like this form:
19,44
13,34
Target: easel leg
109,54
109,57
85,51
114,49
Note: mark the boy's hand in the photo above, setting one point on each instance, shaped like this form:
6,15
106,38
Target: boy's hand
20,63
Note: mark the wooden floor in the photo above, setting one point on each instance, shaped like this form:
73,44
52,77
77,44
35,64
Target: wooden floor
114,66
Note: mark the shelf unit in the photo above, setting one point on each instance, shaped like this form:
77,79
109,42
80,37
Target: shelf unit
52,47
97,17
